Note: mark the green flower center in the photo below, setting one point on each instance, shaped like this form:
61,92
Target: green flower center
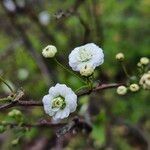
84,55
59,102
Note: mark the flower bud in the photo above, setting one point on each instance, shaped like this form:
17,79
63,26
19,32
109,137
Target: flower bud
139,64
120,56
86,70
144,60
49,51
134,87
15,142
121,90
145,81
14,113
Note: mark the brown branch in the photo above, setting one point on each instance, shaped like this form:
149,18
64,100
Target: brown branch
98,88
45,124
76,123
79,94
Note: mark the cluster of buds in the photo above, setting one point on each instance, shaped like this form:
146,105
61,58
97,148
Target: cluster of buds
144,81
122,90
143,65
14,113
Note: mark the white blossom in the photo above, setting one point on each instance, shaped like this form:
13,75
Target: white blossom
49,51
86,54
121,90
9,5
134,87
44,18
145,81
60,101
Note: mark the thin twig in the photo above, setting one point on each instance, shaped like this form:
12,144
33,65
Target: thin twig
10,88
45,124
79,94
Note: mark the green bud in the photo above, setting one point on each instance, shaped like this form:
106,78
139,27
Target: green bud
15,142
14,113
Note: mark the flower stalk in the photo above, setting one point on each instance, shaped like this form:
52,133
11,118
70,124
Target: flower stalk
68,70
10,88
125,70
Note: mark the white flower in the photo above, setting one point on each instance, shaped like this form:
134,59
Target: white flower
120,56
121,90
145,81
44,18
9,5
144,60
60,102
86,70
49,51
86,54
134,87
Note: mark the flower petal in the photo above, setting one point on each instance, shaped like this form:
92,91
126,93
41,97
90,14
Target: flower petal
71,101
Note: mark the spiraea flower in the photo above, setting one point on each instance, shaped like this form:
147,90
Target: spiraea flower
120,56
86,70
145,81
134,87
121,90
89,54
9,5
60,101
49,51
144,61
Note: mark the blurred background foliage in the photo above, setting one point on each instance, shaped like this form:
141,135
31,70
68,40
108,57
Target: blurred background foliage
114,25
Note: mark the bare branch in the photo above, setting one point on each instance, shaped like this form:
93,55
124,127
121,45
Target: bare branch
45,124
79,94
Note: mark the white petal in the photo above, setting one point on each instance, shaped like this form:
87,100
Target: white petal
61,114
47,100
57,115
63,89
53,92
48,110
71,101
